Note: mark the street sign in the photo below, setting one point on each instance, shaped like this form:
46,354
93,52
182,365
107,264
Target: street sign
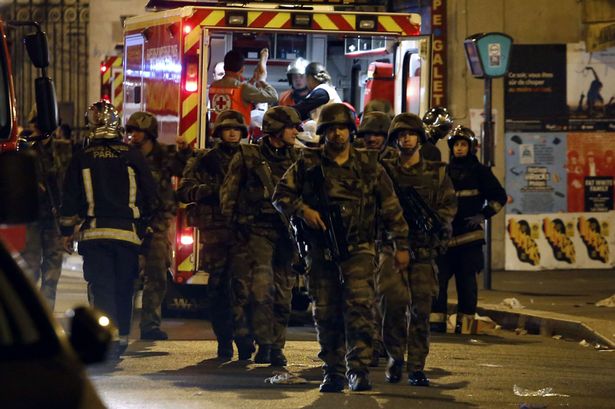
488,54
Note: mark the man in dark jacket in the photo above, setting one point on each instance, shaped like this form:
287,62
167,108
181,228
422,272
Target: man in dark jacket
110,190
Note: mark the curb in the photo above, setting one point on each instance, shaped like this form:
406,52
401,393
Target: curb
544,323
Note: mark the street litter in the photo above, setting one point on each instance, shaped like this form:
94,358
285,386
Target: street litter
548,391
607,302
584,343
520,331
491,365
476,341
532,406
556,337
285,378
512,303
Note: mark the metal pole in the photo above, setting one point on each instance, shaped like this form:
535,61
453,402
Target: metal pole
489,160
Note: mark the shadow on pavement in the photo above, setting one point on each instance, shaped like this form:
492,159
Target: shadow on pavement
479,340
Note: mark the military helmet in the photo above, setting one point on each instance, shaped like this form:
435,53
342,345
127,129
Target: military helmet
438,123
143,121
278,118
336,114
103,120
374,122
380,105
230,119
461,132
407,122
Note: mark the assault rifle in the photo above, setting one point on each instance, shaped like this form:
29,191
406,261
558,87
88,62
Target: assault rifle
336,245
420,215
263,171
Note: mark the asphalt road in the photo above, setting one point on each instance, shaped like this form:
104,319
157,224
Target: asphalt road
466,371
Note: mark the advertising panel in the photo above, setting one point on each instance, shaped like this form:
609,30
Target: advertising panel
560,241
535,172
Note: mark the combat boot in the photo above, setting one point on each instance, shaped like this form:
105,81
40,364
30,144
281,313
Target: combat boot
418,378
394,370
359,381
278,358
263,356
245,348
155,334
225,350
332,383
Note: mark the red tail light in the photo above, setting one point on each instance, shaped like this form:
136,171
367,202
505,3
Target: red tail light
103,68
186,239
191,79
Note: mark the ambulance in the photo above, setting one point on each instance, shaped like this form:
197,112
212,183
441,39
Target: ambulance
112,81
170,55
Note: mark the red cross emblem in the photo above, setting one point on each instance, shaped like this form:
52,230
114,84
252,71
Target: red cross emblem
222,102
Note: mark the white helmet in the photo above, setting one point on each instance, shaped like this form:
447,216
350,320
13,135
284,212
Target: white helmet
296,67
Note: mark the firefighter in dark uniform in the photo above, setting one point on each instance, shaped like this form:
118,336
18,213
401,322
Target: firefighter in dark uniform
373,135
438,123
480,196
262,291
356,185
199,188
109,188
429,179
142,128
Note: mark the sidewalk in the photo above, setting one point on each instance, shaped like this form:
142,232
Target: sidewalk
557,302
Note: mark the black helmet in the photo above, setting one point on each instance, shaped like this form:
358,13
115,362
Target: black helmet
374,122
438,123
336,114
278,118
461,132
406,121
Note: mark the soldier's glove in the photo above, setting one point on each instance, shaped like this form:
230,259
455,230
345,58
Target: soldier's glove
146,241
475,221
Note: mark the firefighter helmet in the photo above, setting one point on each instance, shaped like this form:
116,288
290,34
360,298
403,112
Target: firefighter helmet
461,132
438,123
103,120
278,118
230,119
374,122
296,67
336,114
379,105
145,122
407,122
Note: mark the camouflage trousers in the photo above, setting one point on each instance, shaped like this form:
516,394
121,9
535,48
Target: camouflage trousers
216,259
156,261
406,313
43,254
342,310
262,292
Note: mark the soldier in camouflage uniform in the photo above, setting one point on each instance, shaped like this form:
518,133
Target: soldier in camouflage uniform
430,181
262,292
43,250
200,188
142,128
373,134
357,185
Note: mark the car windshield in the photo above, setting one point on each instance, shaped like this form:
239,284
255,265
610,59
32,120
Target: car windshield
5,105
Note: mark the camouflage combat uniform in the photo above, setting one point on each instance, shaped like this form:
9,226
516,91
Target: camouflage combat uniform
377,122
164,163
431,183
342,293
262,291
43,250
200,187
